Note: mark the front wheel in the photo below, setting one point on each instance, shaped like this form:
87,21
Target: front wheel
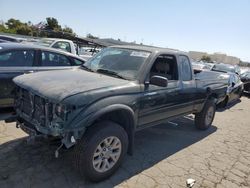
204,119
100,152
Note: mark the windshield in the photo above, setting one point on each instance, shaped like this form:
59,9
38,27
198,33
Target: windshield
45,42
123,63
223,68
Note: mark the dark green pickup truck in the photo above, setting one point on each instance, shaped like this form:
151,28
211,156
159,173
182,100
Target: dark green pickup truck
98,107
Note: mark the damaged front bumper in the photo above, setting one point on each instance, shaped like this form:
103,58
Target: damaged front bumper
68,138
39,115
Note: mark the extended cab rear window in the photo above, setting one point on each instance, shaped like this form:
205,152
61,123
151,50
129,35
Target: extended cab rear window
186,70
165,66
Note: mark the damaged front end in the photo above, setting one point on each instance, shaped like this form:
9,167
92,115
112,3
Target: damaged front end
37,115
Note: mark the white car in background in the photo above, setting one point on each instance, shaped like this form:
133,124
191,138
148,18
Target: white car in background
62,44
88,52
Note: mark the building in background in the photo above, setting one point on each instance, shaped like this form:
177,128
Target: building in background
217,57
196,56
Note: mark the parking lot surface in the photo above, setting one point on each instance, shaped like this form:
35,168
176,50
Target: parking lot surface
164,156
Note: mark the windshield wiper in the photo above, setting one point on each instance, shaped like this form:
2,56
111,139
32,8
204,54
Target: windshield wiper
87,68
109,72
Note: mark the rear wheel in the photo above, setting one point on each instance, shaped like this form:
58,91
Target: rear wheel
100,152
204,119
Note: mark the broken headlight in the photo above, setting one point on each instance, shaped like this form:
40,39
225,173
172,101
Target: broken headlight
62,111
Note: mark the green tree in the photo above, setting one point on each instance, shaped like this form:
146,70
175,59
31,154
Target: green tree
92,36
67,29
13,24
52,24
3,28
24,29
49,29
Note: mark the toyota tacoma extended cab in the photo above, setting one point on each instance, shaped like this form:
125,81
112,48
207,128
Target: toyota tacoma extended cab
97,108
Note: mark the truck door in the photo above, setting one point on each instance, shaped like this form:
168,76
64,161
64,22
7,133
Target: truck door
159,103
188,91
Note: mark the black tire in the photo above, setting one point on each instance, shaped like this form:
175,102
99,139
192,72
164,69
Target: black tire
85,149
200,118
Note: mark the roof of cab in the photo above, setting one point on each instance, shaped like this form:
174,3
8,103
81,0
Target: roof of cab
151,49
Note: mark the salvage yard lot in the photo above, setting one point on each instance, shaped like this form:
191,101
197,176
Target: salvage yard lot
164,156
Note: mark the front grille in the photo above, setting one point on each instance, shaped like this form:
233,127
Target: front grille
33,106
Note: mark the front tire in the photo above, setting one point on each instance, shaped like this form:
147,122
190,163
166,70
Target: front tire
100,152
204,119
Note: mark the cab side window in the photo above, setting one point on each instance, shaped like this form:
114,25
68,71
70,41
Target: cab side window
165,66
186,70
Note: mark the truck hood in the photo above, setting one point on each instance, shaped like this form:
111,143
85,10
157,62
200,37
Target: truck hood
57,85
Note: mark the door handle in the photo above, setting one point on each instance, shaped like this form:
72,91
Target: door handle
27,72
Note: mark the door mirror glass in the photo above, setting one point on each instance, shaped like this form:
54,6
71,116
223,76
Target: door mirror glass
159,81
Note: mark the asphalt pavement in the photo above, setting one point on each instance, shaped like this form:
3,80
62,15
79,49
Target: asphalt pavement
164,156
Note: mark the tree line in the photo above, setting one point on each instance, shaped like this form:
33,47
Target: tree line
48,28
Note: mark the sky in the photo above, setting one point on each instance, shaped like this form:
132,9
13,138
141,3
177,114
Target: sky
193,25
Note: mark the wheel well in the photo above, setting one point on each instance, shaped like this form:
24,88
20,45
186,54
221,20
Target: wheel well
125,119
213,95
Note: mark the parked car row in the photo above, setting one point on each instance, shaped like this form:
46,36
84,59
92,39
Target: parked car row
57,43
96,106
221,67
17,59
234,84
234,89
245,78
238,76
6,38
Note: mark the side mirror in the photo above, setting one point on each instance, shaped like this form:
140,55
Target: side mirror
159,81
233,84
